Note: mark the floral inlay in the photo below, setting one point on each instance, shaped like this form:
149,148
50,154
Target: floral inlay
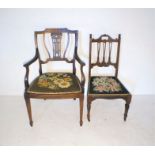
106,84
55,81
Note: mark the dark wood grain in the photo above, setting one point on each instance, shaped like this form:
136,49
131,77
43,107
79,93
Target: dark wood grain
105,40
56,40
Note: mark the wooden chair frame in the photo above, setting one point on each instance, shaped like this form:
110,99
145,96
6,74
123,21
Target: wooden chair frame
79,95
91,97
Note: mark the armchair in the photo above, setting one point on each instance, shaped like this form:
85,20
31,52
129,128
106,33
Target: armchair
55,85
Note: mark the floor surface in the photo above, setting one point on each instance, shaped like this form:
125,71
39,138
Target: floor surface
56,122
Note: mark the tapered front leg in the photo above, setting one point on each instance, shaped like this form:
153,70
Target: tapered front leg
127,105
28,105
81,109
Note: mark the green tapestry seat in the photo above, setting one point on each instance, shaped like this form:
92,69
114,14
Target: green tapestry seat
53,83
106,85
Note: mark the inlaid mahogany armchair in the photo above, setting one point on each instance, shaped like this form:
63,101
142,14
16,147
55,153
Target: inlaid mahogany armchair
104,52
58,45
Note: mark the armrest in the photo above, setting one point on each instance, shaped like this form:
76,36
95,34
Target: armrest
31,61
26,65
82,64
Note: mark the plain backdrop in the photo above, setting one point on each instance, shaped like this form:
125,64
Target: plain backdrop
137,27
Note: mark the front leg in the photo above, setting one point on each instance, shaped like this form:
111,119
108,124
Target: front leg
28,105
81,109
127,105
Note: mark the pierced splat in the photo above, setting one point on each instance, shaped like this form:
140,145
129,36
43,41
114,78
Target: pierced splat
57,45
56,41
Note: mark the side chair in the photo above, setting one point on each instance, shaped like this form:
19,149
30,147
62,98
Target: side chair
104,51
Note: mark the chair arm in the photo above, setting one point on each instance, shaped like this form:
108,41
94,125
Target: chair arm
82,64
31,61
26,65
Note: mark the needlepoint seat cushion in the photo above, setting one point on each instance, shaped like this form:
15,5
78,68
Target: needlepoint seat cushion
106,85
54,83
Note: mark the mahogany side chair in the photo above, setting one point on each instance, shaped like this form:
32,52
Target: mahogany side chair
104,52
58,44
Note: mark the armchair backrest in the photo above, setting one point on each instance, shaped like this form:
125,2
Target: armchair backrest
101,51
56,44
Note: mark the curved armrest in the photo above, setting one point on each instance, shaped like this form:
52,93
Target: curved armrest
31,61
26,65
82,64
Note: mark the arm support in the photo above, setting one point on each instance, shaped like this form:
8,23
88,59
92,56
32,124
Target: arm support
26,65
82,64
31,61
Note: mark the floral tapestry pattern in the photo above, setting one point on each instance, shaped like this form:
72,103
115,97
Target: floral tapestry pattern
55,81
105,84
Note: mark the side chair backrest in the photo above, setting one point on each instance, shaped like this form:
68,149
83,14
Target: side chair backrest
56,44
104,52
